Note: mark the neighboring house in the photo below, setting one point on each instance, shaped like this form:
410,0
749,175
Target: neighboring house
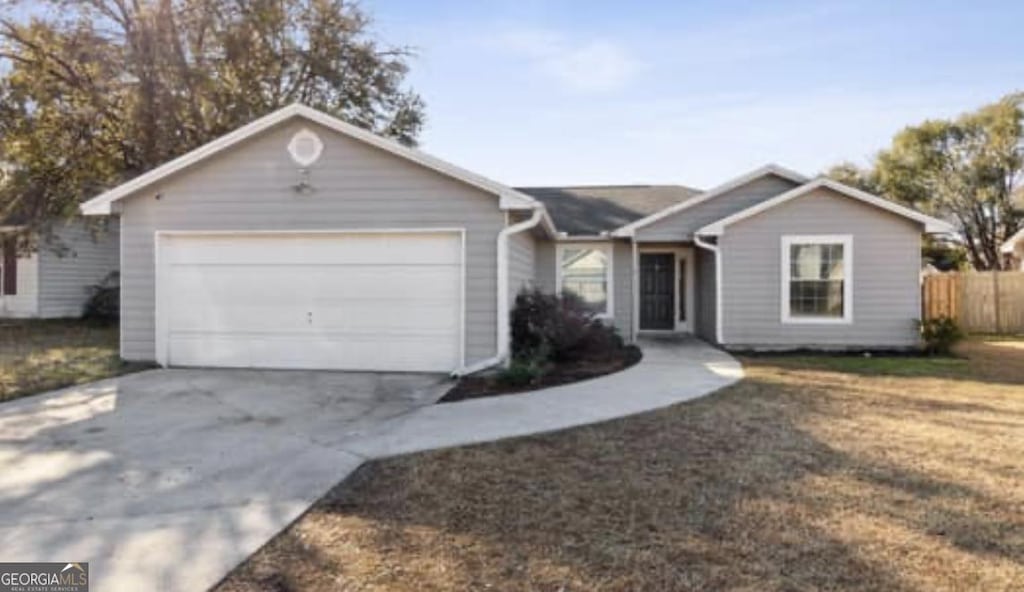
54,280
1013,249
300,241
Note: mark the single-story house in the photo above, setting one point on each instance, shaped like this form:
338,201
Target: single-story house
53,279
301,241
1013,249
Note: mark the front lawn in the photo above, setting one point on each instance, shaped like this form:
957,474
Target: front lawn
38,356
814,473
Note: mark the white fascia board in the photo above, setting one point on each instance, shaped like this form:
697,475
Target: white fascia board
508,198
1011,243
930,224
769,169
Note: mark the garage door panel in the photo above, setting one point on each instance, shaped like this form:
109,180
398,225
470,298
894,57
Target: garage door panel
273,281
241,319
238,301
394,282
438,319
351,352
316,249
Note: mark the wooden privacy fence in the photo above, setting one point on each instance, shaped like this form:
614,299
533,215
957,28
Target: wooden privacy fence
979,301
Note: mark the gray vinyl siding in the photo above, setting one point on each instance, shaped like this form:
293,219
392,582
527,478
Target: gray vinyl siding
355,186
886,263
704,291
74,262
682,225
521,257
622,286
544,266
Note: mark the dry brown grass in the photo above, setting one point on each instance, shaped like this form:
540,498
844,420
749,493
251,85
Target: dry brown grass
37,356
813,473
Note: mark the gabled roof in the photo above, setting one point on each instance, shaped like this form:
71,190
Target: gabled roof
597,209
769,169
1011,243
930,224
510,199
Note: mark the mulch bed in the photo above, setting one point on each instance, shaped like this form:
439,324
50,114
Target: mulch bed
474,387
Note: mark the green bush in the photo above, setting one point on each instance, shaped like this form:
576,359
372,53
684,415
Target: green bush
558,329
104,302
940,335
521,373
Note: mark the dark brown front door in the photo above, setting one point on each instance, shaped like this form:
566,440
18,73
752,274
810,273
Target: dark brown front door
657,295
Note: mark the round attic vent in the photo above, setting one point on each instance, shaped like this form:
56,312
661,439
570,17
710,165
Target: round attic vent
305,147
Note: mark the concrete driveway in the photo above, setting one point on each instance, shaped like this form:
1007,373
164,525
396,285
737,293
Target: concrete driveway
166,479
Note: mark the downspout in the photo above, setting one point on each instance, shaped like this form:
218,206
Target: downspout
635,288
502,345
700,242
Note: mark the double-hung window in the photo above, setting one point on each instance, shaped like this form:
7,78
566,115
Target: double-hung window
817,279
585,270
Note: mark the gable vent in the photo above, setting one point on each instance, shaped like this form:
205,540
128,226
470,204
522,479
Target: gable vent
305,147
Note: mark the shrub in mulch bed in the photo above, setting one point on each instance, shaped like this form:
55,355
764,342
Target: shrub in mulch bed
472,387
555,340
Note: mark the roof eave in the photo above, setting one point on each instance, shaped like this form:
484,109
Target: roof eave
1011,243
629,230
929,224
509,199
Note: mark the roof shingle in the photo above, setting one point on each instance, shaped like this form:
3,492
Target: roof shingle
591,210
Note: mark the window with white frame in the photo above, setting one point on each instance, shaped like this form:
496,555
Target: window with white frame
586,271
817,282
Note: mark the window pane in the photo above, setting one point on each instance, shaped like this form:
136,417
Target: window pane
816,280
585,273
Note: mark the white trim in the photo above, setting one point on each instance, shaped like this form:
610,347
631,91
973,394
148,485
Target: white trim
679,254
635,288
930,224
161,334
719,263
582,238
120,286
1011,243
846,240
508,198
768,169
606,247
462,298
386,230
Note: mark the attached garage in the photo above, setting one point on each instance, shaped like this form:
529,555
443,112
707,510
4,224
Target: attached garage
301,241
364,300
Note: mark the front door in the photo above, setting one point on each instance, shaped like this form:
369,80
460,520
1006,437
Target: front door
657,291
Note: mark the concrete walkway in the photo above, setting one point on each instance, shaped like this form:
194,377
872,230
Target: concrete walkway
166,480
671,371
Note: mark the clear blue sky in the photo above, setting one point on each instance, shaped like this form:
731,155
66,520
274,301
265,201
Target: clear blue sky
692,92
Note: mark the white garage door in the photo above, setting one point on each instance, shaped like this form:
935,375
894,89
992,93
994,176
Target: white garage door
382,301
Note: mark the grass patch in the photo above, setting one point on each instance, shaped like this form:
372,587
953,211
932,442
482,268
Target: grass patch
816,473
880,364
41,355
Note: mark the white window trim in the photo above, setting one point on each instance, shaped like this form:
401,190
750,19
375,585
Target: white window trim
846,241
609,252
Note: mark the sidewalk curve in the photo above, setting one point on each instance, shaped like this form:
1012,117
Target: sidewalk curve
671,371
